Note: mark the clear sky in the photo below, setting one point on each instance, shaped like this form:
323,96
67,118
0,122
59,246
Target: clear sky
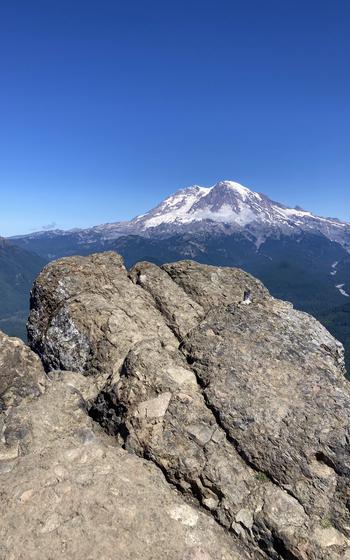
108,106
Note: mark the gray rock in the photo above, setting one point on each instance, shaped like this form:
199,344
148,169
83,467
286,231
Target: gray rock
284,400
86,314
180,312
243,407
211,286
67,491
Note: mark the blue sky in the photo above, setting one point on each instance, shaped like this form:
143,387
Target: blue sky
108,106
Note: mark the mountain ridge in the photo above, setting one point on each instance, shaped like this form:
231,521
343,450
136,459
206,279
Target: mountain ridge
226,206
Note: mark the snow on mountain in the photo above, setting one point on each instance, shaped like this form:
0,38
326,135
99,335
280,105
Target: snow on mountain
234,205
175,208
226,202
225,207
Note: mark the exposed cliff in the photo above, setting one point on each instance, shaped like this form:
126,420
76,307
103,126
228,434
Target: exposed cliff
227,413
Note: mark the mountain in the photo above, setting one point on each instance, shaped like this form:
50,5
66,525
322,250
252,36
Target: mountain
18,268
225,208
301,257
230,207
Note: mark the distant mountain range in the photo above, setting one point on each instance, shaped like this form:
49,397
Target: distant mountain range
300,256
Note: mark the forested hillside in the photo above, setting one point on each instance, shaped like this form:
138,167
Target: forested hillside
18,269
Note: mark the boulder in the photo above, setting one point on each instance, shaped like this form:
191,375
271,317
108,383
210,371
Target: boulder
238,400
86,314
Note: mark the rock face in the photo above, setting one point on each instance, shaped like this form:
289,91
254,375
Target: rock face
226,412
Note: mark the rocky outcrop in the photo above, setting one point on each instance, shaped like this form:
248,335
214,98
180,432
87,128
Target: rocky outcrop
86,315
242,416
227,414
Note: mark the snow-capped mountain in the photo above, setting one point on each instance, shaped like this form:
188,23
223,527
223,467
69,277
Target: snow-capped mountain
226,202
226,207
237,208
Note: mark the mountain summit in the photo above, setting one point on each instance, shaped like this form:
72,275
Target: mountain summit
226,207
226,202
236,207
